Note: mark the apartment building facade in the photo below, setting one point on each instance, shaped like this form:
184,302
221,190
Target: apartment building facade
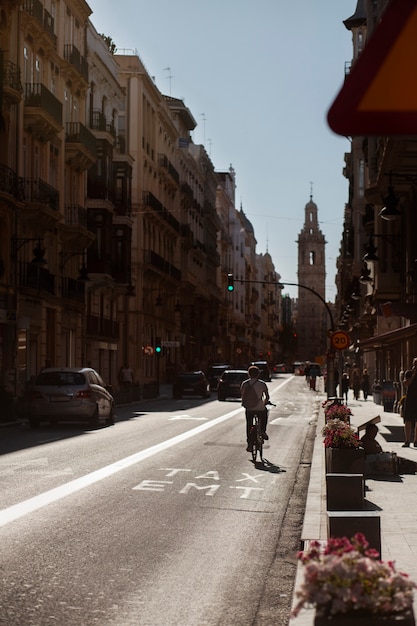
116,230
377,279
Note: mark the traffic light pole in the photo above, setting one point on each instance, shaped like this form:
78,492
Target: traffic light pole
331,388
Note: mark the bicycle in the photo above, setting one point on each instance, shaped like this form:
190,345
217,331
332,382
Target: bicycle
256,440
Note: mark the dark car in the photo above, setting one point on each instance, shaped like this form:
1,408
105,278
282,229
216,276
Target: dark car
265,372
71,394
214,373
280,368
229,384
191,384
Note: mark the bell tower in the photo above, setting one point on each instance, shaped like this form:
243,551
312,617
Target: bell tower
311,321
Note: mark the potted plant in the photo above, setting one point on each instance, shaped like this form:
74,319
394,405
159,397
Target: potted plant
342,448
347,583
333,410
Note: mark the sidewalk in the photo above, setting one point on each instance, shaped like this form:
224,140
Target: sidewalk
395,496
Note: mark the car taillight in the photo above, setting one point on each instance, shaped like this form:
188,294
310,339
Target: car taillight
84,393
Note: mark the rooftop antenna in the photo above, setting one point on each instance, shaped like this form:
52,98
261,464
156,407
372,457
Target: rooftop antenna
170,77
210,144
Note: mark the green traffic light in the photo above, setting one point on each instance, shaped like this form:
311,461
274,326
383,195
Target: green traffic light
230,282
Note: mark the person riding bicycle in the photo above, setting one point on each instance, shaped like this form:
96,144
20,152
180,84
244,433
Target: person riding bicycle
255,395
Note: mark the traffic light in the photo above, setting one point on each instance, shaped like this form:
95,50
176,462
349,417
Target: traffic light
158,345
230,282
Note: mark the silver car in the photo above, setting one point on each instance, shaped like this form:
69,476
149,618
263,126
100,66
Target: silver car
70,394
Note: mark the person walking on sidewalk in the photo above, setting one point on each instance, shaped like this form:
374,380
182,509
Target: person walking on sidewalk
365,384
410,405
344,386
255,395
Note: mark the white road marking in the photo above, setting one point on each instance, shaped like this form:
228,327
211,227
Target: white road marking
17,511
188,417
53,495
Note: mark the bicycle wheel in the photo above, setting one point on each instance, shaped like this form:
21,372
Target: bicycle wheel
254,450
253,439
260,446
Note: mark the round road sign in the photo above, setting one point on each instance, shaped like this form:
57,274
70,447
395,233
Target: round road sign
340,340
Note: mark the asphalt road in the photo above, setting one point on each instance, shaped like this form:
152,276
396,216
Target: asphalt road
160,520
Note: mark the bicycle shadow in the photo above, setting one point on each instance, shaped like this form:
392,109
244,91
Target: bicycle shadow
268,466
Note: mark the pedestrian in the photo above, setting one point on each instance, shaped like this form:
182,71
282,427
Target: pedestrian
365,384
255,395
356,383
410,406
125,377
344,385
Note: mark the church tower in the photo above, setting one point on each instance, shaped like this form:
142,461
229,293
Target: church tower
312,324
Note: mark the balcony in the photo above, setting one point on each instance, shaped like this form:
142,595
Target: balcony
74,232
41,203
32,276
101,128
38,22
10,183
101,327
80,146
152,202
73,289
77,62
97,265
157,262
166,164
43,112
10,81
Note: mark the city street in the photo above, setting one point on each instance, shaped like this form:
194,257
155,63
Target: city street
161,519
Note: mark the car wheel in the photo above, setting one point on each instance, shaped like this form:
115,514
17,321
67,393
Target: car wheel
34,422
94,421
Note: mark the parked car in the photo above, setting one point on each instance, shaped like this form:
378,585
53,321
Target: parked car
76,394
229,384
265,372
191,384
214,373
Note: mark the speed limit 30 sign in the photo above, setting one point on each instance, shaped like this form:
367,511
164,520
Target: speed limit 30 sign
340,340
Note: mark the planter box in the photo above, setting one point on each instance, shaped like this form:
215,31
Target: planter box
345,461
348,523
400,619
344,492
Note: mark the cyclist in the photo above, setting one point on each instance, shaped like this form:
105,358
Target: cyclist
255,395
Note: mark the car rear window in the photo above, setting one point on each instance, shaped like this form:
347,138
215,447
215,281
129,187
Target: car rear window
53,379
188,377
234,377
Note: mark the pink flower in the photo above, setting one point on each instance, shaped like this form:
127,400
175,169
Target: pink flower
347,576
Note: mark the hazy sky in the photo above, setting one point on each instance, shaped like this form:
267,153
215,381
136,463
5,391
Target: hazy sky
258,77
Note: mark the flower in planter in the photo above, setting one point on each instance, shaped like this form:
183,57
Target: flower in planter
347,577
336,411
339,434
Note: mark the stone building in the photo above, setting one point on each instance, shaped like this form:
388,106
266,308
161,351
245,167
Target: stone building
311,316
116,231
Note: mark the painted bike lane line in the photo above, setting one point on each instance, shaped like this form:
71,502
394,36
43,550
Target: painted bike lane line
30,505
